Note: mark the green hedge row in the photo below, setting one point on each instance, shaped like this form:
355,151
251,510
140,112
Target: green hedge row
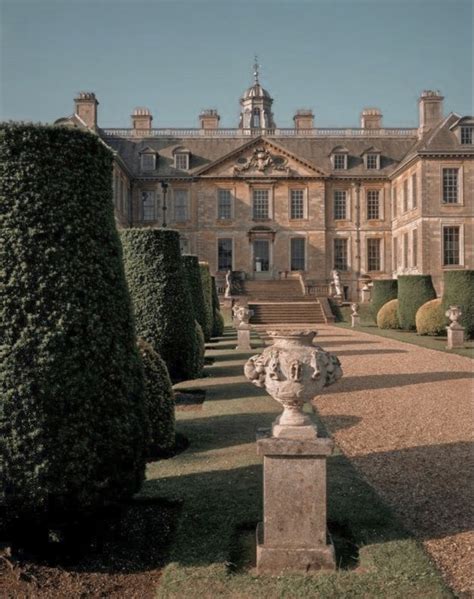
72,418
217,318
382,292
413,292
194,282
459,289
207,290
163,309
159,401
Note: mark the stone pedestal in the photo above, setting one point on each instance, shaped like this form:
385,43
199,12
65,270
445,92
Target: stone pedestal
365,294
355,318
293,535
243,337
455,336
337,299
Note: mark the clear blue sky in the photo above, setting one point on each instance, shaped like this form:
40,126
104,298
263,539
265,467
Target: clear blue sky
335,56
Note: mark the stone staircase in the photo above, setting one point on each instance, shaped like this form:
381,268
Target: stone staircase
281,303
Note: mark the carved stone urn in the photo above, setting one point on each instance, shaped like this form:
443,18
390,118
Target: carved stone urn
454,314
293,371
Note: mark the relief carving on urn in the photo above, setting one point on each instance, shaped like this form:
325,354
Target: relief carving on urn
293,371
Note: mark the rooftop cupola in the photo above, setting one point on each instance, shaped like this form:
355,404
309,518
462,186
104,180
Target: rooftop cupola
256,105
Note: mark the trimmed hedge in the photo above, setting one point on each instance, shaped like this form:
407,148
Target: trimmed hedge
430,318
201,348
459,289
217,318
72,418
196,291
159,401
382,292
163,309
413,292
387,318
207,290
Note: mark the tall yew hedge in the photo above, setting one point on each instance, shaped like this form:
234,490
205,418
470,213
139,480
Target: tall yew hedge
459,289
164,314
71,404
382,292
413,292
196,291
217,318
207,290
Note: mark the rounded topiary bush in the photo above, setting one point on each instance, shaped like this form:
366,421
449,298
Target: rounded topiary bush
382,292
164,314
217,318
459,289
72,418
159,401
207,290
430,318
194,283
413,292
387,318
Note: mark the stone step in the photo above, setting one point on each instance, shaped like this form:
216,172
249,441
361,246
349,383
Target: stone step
287,312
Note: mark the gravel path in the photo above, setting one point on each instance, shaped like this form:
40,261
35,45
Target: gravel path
404,415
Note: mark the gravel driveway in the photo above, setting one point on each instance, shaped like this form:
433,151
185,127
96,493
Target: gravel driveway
404,415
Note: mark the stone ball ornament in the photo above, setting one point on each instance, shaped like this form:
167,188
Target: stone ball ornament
293,371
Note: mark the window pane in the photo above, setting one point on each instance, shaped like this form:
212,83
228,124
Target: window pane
297,253
414,247
340,254
339,161
373,254
405,195
148,205
450,185
181,161
224,208
451,254
260,203
371,161
180,205
148,162
297,203
183,244
394,202
414,198
340,205
395,253
373,204
224,254
405,250
467,135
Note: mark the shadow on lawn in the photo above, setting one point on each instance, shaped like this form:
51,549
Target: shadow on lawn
367,352
384,381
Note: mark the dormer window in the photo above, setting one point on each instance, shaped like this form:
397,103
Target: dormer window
467,135
181,159
148,160
371,158
339,158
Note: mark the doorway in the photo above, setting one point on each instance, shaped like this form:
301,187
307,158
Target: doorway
261,255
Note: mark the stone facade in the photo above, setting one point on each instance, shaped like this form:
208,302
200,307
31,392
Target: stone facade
272,202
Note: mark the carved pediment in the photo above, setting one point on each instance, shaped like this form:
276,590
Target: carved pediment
260,158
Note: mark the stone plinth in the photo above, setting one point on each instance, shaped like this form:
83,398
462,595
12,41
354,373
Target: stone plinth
355,318
243,337
365,294
455,336
293,535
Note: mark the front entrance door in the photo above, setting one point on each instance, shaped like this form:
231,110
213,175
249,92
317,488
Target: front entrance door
261,255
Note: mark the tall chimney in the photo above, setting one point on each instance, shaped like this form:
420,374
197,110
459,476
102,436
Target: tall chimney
371,118
209,119
85,106
141,119
430,109
304,119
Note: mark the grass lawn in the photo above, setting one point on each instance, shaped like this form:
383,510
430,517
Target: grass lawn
218,481
368,326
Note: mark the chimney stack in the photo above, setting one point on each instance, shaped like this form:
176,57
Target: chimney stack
85,106
209,119
141,119
371,118
304,119
430,107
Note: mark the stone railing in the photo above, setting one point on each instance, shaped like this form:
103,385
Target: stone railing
316,289
245,133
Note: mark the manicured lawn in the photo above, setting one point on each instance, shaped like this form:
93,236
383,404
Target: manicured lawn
218,479
368,326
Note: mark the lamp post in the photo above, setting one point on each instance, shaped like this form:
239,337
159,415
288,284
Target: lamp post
164,189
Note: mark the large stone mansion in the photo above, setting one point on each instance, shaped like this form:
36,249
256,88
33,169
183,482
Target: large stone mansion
274,203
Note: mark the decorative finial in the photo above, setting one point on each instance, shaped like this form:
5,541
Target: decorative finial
256,66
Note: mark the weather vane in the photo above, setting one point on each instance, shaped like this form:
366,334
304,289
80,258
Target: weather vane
256,66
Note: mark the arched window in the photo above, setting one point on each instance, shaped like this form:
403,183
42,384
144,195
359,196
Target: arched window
256,118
